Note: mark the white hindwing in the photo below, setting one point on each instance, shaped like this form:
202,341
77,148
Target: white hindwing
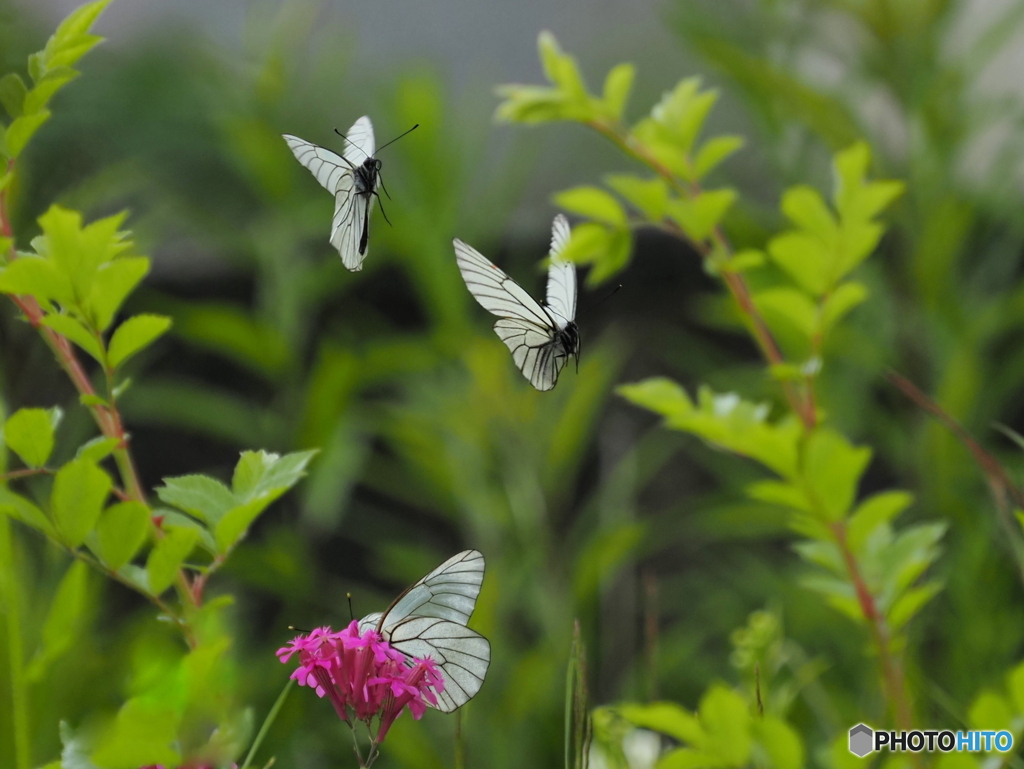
461,654
429,620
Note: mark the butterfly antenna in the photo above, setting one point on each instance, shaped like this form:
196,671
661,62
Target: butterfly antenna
299,630
397,137
351,614
350,142
612,293
381,180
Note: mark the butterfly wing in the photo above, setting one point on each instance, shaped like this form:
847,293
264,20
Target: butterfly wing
462,655
332,171
561,296
350,227
359,145
449,592
526,327
533,351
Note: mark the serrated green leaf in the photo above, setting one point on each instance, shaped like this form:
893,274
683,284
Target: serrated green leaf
172,519
682,111
38,278
713,152
617,86
12,94
167,556
872,512
805,259
260,473
121,531
649,196
807,209
201,496
134,335
63,620
592,202
699,216
29,434
22,129
80,251
72,328
832,469
77,498
910,603
111,285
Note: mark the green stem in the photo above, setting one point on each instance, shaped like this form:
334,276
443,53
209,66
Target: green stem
268,722
15,651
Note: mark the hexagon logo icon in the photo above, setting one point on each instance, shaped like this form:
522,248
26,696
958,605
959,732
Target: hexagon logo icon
862,740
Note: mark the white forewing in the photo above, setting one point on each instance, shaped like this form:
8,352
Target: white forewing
330,169
561,296
449,592
495,291
462,655
360,145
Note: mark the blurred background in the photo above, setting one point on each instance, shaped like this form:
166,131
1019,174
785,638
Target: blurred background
431,441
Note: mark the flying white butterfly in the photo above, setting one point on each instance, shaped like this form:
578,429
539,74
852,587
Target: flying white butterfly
353,178
541,336
429,620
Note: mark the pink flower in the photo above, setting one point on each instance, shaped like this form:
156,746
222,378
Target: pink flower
363,676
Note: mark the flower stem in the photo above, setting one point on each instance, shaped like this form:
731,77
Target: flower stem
268,722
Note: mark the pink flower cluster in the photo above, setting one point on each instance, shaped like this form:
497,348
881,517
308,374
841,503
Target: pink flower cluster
363,675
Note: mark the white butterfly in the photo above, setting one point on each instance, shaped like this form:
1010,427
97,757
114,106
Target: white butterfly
353,178
541,336
429,620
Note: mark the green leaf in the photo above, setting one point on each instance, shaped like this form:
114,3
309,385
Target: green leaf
29,434
121,531
682,111
724,420
64,619
607,249
21,509
96,450
172,519
47,87
594,203
111,285
910,603
80,251
201,496
807,209
806,260
713,152
780,742
167,556
36,277
72,39
77,498
788,311
12,94
142,735
700,215
726,719
134,335
665,718
22,129
832,469
649,196
872,513
617,86
840,302
72,328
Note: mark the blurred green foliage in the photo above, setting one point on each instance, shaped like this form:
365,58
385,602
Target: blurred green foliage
249,333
